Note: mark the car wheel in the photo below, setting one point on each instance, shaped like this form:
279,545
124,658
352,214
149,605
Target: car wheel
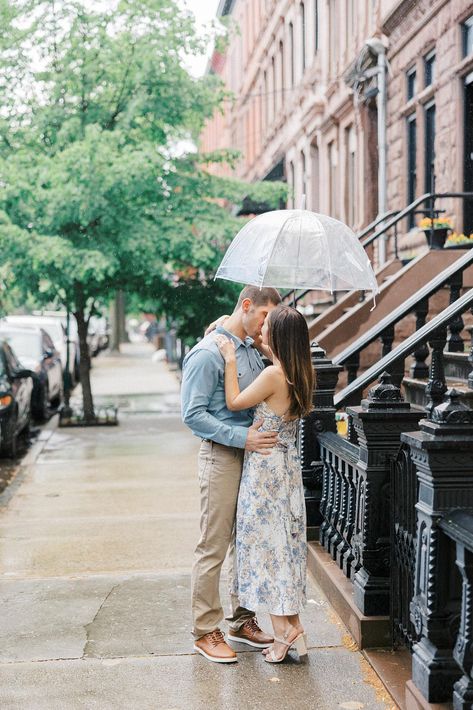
56,402
42,411
8,445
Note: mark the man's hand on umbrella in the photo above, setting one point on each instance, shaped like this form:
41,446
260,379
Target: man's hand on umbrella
226,347
260,441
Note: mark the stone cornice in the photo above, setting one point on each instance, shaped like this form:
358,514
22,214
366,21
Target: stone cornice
404,21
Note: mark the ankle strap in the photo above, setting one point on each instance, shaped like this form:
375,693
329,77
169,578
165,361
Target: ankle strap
285,643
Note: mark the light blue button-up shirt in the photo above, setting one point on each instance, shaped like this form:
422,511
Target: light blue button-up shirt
203,391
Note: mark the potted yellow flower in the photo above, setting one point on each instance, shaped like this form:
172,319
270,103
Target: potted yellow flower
459,241
436,230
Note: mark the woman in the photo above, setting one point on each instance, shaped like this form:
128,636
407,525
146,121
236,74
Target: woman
270,524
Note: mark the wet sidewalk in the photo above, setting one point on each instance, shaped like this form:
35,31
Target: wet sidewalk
96,539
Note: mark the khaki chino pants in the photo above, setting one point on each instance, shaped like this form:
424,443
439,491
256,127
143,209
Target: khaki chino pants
219,478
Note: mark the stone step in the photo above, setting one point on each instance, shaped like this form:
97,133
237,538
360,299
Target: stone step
457,365
414,391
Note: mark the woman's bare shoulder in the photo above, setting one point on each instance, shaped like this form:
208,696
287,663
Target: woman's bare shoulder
274,372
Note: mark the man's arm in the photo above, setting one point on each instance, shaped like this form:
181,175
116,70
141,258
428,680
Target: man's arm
199,382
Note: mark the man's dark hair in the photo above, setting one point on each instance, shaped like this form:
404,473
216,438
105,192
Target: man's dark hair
259,296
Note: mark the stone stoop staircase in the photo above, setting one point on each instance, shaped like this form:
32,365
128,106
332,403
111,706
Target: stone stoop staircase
345,323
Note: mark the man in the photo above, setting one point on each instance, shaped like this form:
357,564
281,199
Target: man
225,435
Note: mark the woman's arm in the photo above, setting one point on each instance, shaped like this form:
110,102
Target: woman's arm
259,390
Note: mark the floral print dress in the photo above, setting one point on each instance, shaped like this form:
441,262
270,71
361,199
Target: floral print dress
271,543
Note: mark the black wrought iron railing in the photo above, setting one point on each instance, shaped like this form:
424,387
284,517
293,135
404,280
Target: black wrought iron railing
400,470
385,330
435,333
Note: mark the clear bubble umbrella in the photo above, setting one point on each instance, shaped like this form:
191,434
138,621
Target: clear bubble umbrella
298,249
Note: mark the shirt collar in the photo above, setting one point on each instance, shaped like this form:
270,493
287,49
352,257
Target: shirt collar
247,342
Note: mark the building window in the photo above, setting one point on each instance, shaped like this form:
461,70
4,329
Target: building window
265,99
411,163
281,72
292,184
314,154
332,35
429,68
350,146
275,91
467,31
411,83
332,158
291,52
430,148
316,26
302,16
303,204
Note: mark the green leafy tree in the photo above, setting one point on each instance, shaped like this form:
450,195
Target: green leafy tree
94,196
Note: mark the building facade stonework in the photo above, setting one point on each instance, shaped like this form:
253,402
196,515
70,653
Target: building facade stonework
304,107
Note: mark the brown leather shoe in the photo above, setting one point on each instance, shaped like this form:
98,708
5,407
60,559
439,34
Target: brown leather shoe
213,647
251,634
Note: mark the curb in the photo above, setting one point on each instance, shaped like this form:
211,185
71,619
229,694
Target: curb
28,460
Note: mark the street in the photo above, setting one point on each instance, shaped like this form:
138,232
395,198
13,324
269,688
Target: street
97,533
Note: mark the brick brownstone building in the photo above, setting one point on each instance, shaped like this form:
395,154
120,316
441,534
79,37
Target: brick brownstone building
304,76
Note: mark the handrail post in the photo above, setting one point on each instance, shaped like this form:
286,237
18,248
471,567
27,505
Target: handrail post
437,385
321,419
378,422
441,452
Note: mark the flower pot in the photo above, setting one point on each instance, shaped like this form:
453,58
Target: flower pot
465,245
436,237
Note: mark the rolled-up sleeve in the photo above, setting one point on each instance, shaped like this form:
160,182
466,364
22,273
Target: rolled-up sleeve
199,382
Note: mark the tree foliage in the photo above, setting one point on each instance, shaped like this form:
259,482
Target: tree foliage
95,193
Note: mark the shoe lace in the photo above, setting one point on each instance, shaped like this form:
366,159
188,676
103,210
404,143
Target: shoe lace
216,637
252,624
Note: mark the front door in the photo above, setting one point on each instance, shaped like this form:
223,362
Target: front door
468,165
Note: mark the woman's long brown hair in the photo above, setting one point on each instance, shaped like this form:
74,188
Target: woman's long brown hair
288,338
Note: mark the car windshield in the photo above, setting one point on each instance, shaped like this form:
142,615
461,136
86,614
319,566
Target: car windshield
22,343
52,327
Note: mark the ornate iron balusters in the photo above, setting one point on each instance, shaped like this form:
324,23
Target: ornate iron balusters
436,386
387,338
322,418
379,423
455,341
404,488
470,358
419,369
463,651
352,366
442,453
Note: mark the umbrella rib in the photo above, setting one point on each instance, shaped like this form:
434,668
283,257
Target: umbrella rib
274,244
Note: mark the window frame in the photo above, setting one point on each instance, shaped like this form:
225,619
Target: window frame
411,76
467,36
429,65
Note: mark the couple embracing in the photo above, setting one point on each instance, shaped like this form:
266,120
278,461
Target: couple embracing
252,502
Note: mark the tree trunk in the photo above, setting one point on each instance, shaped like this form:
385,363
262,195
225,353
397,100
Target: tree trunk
114,327
84,364
121,315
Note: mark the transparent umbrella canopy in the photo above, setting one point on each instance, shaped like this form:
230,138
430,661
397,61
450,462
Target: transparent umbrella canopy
298,249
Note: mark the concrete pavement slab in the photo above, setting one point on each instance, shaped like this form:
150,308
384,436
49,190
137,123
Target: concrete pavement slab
191,683
114,616
96,545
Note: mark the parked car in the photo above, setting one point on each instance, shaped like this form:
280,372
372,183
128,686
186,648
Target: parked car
16,385
35,351
74,349
54,327
98,334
